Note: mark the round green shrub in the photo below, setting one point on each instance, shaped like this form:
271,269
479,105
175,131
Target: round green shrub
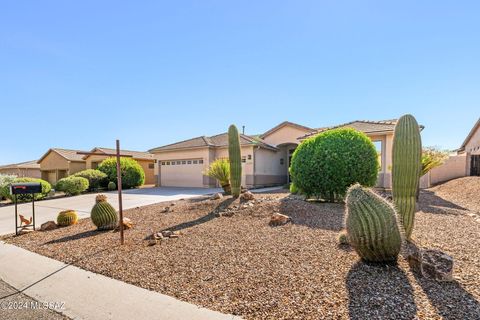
5,181
293,188
132,173
96,178
325,165
112,186
46,188
72,185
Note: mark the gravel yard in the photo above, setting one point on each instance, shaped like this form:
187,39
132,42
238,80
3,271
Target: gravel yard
241,265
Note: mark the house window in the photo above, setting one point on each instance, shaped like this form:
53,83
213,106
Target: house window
200,161
151,166
195,161
249,157
179,162
244,159
281,161
94,165
163,163
189,161
184,162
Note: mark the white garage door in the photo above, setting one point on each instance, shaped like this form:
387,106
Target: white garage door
182,173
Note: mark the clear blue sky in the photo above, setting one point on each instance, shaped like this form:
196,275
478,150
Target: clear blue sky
79,74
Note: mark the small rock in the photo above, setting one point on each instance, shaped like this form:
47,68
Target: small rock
166,233
49,225
127,224
247,196
152,242
165,210
250,204
172,204
433,264
279,219
216,196
25,231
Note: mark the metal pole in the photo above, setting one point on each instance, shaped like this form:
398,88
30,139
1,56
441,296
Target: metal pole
119,185
33,210
16,218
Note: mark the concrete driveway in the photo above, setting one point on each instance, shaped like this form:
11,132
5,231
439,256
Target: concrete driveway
48,209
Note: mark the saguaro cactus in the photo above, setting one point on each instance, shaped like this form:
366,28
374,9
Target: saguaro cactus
235,160
372,225
406,168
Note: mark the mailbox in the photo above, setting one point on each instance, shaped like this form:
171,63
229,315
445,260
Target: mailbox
25,188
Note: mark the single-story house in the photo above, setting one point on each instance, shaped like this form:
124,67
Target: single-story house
58,163
28,169
471,147
145,159
265,158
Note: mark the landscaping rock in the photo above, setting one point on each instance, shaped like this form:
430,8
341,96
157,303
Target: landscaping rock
247,196
216,196
49,225
166,210
279,219
127,224
432,264
25,231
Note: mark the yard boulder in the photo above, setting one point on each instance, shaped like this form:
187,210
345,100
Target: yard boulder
247,196
432,264
49,225
279,219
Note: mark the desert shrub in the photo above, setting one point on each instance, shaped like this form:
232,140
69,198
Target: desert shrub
220,170
96,178
112,186
343,237
72,185
46,187
5,180
325,166
431,158
132,173
293,188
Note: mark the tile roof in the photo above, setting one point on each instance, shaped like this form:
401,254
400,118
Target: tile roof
135,154
22,165
360,125
70,155
283,124
219,140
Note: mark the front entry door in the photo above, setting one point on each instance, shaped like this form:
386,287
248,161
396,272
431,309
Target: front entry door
475,165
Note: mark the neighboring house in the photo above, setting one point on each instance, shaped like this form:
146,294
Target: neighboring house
29,169
471,148
58,163
265,158
145,159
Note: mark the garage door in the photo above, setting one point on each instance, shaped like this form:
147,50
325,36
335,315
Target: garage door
182,173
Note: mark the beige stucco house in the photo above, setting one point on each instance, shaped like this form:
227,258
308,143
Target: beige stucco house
58,163
29,169
471,149
265,158
145,159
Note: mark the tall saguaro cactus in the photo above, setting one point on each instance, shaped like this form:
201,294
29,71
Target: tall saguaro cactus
406,168
235,160
372,225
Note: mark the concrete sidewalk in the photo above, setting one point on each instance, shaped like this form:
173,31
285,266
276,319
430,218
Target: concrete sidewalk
81,294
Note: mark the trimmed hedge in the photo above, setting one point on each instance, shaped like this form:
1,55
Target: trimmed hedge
96,178
325,166
72,185
112,186
46,188
132,173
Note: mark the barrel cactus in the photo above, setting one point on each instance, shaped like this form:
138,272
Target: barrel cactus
67,218
372,225
406,168
103,215
235,160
